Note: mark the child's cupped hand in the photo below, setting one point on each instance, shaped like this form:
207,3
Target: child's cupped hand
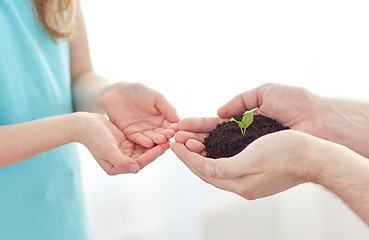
113,151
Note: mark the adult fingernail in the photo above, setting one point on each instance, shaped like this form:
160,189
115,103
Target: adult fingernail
134,168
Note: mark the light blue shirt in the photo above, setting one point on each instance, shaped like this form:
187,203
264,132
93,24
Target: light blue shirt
40,198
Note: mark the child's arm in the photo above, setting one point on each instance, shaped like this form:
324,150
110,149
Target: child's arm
106,142
19,142
88,87
141,113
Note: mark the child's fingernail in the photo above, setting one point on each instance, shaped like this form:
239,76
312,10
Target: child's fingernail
134,168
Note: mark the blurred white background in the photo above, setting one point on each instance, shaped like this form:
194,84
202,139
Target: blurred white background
200,54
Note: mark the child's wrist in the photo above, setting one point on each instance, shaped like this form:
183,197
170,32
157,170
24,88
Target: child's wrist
77,126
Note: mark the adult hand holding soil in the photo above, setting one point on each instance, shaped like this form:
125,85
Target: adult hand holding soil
196,129
141,113
269,165
339,120
294,107
290,106
279,161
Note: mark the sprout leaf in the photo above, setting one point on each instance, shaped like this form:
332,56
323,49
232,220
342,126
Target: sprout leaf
247,119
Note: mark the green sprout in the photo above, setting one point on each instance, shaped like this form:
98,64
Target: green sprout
247,119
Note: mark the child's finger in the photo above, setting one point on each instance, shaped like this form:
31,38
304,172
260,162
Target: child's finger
168,133
152,154
141,139
157,138
167,109
113,161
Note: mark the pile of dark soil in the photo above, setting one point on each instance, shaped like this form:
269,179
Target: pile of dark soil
226,140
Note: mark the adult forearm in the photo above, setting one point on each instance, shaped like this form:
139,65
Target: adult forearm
355,110
346,174
19,142
349,124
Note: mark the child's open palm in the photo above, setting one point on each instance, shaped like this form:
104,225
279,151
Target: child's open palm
142,114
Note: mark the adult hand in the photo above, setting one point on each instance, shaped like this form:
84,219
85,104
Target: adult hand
294,107
141,113
111,148
338,120
291,106
281,160
197,129
271,164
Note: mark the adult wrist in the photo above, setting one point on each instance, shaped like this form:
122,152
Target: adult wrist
347,124
329,163
313,155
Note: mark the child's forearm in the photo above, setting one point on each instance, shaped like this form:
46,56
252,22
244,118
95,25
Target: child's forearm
19,142
87,87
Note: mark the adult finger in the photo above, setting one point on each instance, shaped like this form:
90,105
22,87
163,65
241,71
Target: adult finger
180,150
192,160
203,125
184,136
243,102
195,146
198,165
247,162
